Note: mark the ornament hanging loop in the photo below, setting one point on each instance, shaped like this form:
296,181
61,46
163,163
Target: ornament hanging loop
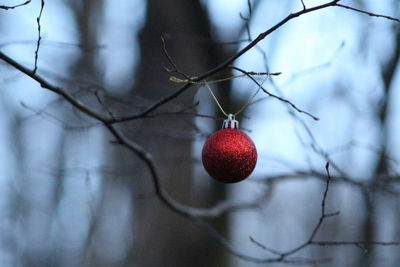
230,122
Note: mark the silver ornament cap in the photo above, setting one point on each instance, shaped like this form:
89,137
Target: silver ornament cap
230,122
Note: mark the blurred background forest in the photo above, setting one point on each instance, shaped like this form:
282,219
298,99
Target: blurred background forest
71,196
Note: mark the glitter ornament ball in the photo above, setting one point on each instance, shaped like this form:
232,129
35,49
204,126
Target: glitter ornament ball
229,155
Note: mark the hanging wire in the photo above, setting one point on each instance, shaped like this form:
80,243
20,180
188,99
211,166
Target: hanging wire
244,106
206,83
215,99
252,97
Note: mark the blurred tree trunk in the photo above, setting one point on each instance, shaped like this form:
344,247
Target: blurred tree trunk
85,70
160,237
382,167
88,16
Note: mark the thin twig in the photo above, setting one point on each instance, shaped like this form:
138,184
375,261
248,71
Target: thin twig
249,5
58,90
275,96
320,221
323,213
302,3
101,102
39,37
223,65
349,243
222,241
247,19
323,216
264,247
309,174
359,244
314,144
51,117
175,67
368,13
12,7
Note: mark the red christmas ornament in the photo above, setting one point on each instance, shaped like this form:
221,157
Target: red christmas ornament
229,155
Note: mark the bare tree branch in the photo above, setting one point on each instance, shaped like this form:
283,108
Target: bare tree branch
39,36
223,65
138,150
302,3
369,13
43,83
247,19
274,96
196,214
175,67
53,118
323,216
264,247
12,7
323,213
354,243
229,61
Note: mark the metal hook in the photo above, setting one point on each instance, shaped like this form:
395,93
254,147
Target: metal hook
230,122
